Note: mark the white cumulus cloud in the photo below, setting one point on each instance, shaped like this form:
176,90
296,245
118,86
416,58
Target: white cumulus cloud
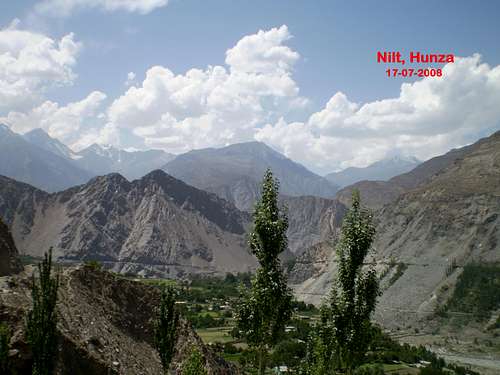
31,63
130,79
216,105
252,96
75,124
429,117
263,52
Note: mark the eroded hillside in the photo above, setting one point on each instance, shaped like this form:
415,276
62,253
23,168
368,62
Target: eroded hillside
104,325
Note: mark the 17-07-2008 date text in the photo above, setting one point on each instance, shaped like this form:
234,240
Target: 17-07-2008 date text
410,72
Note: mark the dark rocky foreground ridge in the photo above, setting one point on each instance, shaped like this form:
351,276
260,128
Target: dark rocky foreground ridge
104,326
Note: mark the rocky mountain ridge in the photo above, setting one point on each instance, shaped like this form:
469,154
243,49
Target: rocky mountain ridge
155,226
235,173
312,220
107,217
448,220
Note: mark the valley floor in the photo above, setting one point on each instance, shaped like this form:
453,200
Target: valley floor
485,360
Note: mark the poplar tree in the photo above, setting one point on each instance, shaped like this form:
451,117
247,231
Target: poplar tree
165,327
264,310
344,332
42,319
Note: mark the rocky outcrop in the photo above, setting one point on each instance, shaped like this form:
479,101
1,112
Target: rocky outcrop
105,326
312,263
312,220
156,226
9,261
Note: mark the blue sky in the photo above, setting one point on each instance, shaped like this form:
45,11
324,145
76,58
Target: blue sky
336,42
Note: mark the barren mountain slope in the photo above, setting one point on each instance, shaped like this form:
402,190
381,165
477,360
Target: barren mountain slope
105,326
312,220
157,225
235,173
453,218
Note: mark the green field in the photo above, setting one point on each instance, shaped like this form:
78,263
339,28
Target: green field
217,334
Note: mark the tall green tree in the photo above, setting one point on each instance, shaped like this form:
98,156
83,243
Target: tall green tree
42,319
165,328
344,332
264,310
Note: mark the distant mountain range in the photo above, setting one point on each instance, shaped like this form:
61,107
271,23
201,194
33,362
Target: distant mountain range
48,164
102,160
99,160
27,162
235,173
381,170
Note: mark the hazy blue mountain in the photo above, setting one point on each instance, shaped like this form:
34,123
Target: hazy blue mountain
41,139
27,162
100,160
235,173
381,170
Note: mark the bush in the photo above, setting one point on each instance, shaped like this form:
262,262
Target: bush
289,352
230,348
94,264
194,364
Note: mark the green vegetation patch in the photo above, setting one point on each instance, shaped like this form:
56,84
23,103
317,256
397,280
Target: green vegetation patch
476,291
